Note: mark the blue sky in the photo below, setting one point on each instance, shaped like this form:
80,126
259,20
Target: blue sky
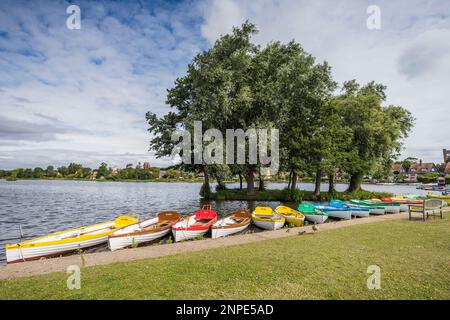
81,95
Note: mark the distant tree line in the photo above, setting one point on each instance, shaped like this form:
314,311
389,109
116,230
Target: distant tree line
77,171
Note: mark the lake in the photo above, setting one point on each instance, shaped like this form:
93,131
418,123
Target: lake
45,206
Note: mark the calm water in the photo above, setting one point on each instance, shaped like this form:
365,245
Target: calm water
42,207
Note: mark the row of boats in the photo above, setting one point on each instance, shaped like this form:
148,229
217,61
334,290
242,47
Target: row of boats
128,231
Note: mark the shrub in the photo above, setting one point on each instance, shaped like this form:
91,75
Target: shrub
205,191
292,195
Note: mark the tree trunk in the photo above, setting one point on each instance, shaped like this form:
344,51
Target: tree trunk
289,179
317,183
240,181
206,177
294,180
250,182
355,182
261,181
331,188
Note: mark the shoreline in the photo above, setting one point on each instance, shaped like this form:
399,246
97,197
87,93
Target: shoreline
60,264
200,180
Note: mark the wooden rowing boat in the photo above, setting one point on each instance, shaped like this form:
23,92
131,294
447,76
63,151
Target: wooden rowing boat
65,241
311,213
234,223
142,232
265,218
195,225
293,217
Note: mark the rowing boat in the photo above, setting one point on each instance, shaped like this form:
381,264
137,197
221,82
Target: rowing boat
65,241
374,208
195,225
234,223
293,217
311,213
145,231
438,196
265,218
389,207
335,210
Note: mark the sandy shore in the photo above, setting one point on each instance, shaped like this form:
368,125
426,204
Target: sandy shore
31,268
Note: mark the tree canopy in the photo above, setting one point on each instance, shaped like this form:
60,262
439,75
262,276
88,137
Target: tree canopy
239,85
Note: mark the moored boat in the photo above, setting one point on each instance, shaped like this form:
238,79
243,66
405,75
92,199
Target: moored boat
145,231
197,224
237,222
374,208
335,209
66,241
438,196
311,213
293,217
265,218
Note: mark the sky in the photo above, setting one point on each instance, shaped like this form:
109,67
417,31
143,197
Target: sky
81,95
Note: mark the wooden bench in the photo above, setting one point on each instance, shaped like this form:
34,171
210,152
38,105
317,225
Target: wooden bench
430,207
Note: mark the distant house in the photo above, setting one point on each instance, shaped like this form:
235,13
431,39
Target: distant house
93,175
422,168
447,168
446,154
115,171
147,165
397,169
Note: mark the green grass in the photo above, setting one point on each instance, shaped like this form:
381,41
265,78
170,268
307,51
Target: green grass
414,258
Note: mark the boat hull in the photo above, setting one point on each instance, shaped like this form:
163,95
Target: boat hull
182,235
223,232
315,218
339,214
115,243
360,213
269,225
38,252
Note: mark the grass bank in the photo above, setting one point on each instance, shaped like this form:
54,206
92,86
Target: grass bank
413,257
296,196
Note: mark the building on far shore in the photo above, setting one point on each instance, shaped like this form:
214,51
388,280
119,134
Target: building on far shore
446,154
147,165
422,168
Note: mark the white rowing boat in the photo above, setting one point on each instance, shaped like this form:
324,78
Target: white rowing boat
142,232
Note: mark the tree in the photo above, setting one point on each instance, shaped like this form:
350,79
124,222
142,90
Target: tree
214,90
73,168
406,164
377,131
63,171
103,170
38,173
50,172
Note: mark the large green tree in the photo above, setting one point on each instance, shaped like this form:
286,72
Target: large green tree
377,131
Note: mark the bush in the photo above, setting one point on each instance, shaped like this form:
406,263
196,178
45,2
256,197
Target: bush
205,191
290,195
221,187
428,178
